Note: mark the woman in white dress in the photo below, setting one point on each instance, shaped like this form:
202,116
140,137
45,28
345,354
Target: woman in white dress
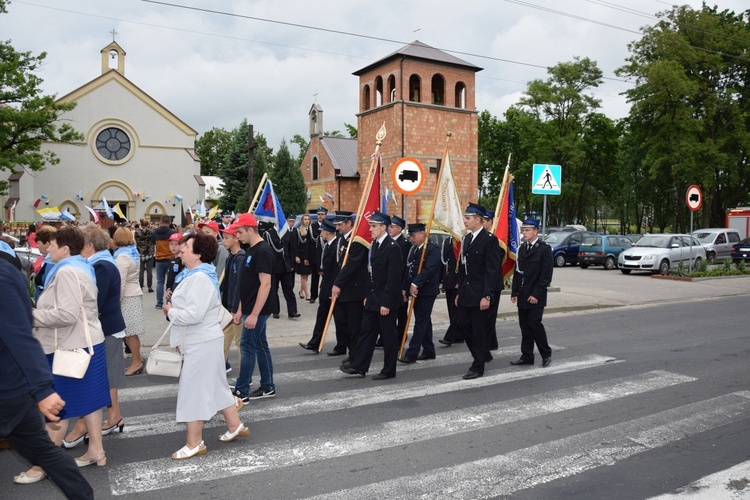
194,312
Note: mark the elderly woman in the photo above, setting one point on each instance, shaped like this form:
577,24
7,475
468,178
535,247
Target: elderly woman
194,313
96,250
65,310
131,295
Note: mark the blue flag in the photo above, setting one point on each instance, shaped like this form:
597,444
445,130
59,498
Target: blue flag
269,209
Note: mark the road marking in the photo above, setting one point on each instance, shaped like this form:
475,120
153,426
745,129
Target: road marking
732,483
163,423
505,474
165,473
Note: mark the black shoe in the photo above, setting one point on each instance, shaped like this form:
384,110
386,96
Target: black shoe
521,361
471,375
307,346
425,357
352,371
345,364
312,301
446,342
336,353
405,360
382,376
276,316
294,315
379,344
547,361
150,290
244,397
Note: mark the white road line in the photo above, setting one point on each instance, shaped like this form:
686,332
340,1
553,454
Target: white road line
729,484
504,474
163,423
164,473
330,372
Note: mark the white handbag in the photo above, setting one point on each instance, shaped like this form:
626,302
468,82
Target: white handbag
225,317
164,361
75,362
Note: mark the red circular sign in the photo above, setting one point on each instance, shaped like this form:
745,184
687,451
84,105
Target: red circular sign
694,198
408,176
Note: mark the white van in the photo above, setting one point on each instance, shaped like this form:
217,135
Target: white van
717,242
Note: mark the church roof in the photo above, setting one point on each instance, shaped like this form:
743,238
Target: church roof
343,154
113,74
419,50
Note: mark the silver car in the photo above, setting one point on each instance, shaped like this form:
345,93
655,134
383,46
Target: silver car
658,253
718,242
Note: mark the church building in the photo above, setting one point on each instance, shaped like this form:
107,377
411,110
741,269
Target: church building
135,154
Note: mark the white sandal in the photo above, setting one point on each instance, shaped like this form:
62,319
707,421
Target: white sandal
185,452
240,431
24,478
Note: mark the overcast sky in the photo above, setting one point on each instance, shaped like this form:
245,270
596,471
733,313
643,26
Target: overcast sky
212,69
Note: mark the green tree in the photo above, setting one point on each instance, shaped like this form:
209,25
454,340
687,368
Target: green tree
288,182
233,167
28,118
211,148
352,130
303,144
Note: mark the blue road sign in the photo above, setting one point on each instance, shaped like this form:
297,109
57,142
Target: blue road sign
546,179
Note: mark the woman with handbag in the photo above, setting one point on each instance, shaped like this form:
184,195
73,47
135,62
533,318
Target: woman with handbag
196,331
131,296
67,318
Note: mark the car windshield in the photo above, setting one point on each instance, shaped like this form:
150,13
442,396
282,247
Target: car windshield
653,241
556,237
705,237
590,241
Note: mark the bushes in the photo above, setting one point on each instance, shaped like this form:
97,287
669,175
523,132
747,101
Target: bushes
726,268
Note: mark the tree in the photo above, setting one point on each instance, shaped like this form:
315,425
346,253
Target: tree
352,130
27,118
303,144
211,148
288,182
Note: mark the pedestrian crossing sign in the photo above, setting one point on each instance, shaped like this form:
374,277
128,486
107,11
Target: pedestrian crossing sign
546,179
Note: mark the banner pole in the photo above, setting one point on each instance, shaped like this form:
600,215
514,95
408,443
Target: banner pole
261,184
503,188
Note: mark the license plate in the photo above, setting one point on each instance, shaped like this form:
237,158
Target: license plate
589,253
744,249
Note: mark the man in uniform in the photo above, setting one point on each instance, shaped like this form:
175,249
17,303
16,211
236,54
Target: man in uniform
283,272
381,306
450,285
423,287
531,278
477,276
327,270
491,342
350,285
317,251
396,232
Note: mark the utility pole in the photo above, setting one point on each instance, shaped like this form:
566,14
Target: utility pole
251,145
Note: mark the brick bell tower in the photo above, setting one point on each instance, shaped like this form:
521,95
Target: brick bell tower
419,92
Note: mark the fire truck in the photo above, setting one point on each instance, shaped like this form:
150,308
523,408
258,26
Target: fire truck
739,219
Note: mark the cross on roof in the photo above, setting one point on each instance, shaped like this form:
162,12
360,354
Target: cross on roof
114,33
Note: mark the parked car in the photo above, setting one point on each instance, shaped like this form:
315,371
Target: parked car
741,251
718,242
565,246
602,250
658,253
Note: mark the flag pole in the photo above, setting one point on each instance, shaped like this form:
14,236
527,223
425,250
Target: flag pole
426,241
368,185
261,184
503,188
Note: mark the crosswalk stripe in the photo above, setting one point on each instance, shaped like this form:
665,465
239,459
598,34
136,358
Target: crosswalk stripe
505,474
164,473
316,375
163,423
731,483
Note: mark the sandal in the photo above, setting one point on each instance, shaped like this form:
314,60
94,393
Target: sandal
185,452
240,431
24,478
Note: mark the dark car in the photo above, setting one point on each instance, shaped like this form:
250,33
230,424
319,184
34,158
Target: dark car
741,251
565,246
602,250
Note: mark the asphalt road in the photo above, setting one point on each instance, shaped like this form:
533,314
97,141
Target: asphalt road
640,401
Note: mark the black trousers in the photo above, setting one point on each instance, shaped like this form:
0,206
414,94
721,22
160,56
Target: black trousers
287,287
348,317
147,267
533,332
472,323
314,283
374,324
452,334
23,425
491,341
320,322
422,338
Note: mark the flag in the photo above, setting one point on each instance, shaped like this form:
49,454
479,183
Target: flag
93,214
269,209
118,211
213,211
384,202
448,214
323,200
371,205
106,208
37,202
507,229
329,196
202,208
50,213
67,215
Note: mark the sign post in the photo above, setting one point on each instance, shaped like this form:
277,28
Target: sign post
694,199
546,179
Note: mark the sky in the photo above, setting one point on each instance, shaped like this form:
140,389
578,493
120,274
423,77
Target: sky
214,63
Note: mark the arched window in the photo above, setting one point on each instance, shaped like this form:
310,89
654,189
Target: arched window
366,98
391,88
461,95
414,84
315,169
378,91
438,90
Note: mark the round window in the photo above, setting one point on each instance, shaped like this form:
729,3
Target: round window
113,144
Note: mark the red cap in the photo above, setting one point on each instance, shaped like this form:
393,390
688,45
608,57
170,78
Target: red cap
212,224
245,219
232,229
175,237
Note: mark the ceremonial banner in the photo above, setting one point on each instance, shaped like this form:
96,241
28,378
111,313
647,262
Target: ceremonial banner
507,229
269,209
372,204
448,214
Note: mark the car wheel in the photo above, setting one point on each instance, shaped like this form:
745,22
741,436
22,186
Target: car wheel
664,267
711,258
625,271
560,261
609,263
697,263
583,266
